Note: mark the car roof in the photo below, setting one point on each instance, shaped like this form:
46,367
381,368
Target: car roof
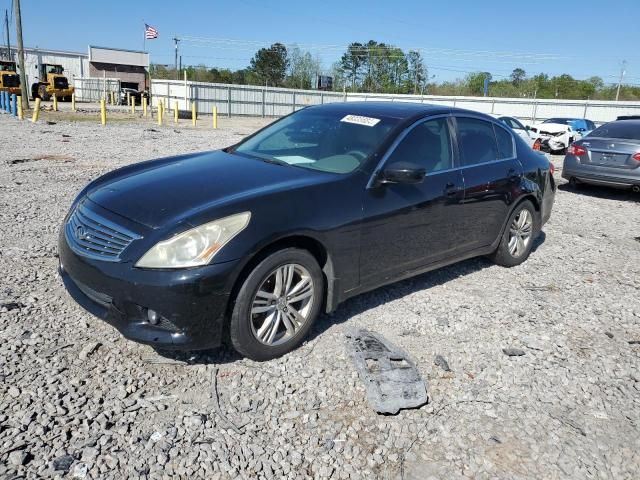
397,110
634,122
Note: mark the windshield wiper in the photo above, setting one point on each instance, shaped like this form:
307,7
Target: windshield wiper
275,161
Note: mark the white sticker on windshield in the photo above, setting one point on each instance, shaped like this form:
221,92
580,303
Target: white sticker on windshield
360,120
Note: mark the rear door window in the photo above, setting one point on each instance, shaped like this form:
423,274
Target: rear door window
477,141
505,142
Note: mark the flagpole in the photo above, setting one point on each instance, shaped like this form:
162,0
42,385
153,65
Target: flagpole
144,36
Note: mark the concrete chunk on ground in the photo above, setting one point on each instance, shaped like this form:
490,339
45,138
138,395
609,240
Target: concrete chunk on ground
390,377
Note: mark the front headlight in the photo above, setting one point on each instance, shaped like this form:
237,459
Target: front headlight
195,247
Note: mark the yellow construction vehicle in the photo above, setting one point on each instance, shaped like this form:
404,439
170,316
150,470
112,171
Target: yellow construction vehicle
9,79
51,80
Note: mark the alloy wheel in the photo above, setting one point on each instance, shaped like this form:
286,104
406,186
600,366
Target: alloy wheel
520,233
282,304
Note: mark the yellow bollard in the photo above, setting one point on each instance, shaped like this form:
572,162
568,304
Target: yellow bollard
128,98
73,102
20,110
160,108
55,102
194,114
175,112
36,111
144,106
215,117
133,104
103,112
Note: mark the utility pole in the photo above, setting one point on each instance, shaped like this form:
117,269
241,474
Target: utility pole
23,75
6,27
622,72
176,40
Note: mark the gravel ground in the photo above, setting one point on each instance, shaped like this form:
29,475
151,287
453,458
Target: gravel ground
79,401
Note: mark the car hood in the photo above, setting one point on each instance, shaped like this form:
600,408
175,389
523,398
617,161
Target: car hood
164,191
551,127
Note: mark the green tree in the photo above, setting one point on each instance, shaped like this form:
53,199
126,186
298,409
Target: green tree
517,76
302,69
352,62
417,71
475,82
270,64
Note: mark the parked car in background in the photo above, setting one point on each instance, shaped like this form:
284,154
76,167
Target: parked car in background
517,126
610,156
556,134
628,117
132,93
255,240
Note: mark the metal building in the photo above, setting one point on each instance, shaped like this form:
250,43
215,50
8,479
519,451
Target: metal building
128,66
75,64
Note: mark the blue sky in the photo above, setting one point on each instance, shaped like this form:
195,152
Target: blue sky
580,38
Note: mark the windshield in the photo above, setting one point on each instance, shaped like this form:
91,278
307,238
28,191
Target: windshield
320,140
626,129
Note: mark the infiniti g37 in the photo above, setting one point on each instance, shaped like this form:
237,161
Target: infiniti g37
251,243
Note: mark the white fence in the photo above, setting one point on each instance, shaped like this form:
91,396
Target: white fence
275,102
90,89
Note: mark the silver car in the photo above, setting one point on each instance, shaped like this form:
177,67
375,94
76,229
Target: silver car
517,127
609,156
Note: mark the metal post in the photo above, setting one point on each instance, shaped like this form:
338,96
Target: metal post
622,72
215,117
36,110
194,113
294,101
175,112
493,105
321,98
584,113
229,102
6,26
20,110
23,73
103,112
264,101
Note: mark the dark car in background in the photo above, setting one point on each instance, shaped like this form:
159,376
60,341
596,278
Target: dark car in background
252,242
608,156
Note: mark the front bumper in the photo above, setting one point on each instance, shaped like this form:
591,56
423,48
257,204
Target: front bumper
192,303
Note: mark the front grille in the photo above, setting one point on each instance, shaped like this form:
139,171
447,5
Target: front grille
93,236
10,80
60,83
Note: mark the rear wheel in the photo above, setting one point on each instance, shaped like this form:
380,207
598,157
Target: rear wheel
277,304
517,239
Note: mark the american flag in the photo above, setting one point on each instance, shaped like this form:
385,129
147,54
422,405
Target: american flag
150,32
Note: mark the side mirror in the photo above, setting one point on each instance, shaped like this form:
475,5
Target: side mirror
402,172
528,127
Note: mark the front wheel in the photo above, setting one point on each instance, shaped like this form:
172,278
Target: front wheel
517,240
277,304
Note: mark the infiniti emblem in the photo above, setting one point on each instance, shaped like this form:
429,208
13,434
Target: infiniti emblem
81,234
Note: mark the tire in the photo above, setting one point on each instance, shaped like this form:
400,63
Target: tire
42,93
274,307
508,254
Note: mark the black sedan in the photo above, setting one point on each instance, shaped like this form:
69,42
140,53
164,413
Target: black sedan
252,242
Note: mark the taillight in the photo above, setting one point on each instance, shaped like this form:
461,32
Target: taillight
636,157
552,168
536,145
576,150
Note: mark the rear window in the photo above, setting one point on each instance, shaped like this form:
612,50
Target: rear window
623,129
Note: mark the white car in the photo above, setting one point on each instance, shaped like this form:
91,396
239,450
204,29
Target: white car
517,127
555,137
